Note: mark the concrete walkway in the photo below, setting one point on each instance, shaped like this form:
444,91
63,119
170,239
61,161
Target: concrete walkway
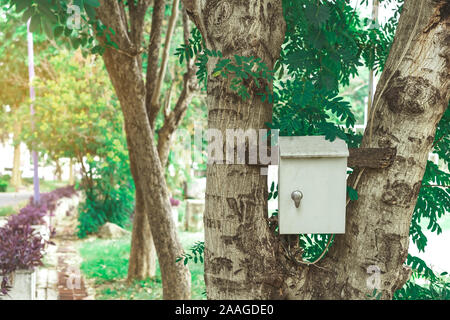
9,199
60,278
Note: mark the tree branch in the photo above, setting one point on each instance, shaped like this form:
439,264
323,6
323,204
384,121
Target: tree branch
154,102
153,54
173,118
375,158
110,14
137,19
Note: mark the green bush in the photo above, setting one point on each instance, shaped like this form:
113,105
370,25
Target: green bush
105,202
4,183
108,186
437,288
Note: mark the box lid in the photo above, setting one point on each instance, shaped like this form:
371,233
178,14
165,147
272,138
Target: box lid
312,147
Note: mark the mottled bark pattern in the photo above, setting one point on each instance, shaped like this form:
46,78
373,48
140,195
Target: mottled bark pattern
173,118
375,158
411,98
242,257
142,262
240,260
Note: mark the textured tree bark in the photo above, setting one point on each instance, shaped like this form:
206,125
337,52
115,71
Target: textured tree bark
236,195
173,119
410,100
375,158
153,57
126,75
142,263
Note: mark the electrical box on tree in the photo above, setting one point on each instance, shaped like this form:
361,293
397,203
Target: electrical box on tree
312,185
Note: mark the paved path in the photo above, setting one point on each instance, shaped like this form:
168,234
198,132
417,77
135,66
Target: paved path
71,284
8,199
61,279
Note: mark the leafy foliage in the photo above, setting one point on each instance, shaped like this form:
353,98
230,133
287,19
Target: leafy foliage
273,194
108,185
196,254
79,118
76,21
437,289
4,182
73,108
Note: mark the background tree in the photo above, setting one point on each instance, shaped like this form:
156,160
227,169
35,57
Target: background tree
14,90
116,30
78,117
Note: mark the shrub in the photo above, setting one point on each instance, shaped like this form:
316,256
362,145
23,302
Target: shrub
20,246
105,202
4,183
109,189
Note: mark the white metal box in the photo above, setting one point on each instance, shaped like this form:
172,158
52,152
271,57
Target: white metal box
315,170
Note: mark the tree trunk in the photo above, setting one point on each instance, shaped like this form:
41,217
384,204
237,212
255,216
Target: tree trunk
58,170
142,263
16,179
236,195
173,118
165,58
129,87
410,100
71,173
126,75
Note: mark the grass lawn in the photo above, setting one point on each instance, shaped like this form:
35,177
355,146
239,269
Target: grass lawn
10,210
106,263
7,211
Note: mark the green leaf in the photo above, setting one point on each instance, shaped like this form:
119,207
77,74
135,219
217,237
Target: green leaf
92,3
58,31
352,193
21,5
90,11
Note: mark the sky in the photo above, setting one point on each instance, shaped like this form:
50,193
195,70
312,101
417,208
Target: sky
385,10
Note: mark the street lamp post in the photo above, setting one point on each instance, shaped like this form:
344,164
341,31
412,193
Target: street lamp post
32,97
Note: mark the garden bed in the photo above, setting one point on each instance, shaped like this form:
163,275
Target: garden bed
23,240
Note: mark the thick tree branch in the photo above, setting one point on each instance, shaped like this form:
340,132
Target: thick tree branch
110,14
137,19
172,119
153,53
376,158
137,12
154,102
